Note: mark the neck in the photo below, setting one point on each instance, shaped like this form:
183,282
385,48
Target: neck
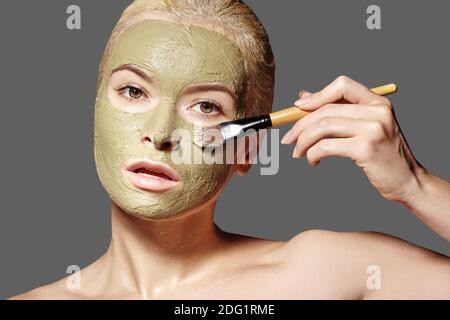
147,255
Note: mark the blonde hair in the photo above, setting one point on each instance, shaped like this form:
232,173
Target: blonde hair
233,19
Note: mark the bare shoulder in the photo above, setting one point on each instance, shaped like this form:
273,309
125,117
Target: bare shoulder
54,291
367,243
406,270
68,287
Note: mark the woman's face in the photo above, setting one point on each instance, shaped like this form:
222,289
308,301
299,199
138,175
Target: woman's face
160,77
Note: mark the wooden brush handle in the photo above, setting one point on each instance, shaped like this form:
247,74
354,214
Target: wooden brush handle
292,114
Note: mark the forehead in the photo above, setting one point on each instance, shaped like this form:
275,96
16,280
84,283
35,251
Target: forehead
179,55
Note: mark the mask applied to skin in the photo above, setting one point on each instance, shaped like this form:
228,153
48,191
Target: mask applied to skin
176,56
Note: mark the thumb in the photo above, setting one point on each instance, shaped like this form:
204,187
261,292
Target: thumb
305,99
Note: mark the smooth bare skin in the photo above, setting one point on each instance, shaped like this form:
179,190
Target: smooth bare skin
186,256
141,264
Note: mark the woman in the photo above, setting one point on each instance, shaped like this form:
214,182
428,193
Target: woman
171,65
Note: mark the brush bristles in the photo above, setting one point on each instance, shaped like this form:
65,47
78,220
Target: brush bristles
209,137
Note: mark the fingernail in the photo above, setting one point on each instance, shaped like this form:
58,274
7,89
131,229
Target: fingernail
303,101
294,153
302,93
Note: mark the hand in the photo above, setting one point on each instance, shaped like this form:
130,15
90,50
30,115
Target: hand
349,120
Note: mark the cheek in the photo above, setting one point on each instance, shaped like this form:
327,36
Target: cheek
202,182
202,178
115,131
209,171
112,148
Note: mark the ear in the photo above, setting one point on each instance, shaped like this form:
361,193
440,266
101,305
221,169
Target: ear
247,152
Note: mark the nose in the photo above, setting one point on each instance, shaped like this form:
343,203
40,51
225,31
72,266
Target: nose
160,141
160,125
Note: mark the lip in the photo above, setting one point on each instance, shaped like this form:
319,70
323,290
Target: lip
151,176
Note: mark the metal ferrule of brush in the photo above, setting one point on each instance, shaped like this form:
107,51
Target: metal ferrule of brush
246,126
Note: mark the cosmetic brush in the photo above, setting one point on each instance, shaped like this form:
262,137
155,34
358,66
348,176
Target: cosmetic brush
217,135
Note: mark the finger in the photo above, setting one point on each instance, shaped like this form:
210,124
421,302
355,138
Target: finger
382,113
344,88
330,128
303,94
339,147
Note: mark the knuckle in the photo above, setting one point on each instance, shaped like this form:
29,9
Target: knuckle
387,117
366,150
309,154
343,78
376,130
324,123
381,101
324,145
299,144
319,94
374,133
342,81
385,111
386,102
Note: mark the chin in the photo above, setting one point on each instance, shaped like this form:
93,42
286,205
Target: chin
149,210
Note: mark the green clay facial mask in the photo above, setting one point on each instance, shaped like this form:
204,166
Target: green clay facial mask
176,57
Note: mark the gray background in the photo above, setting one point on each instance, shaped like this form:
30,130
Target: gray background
54,210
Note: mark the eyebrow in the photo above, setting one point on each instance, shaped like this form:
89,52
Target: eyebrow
190,89
212,87
135,69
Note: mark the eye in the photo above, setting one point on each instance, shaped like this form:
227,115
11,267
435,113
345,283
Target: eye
207,108
132,93
135,93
